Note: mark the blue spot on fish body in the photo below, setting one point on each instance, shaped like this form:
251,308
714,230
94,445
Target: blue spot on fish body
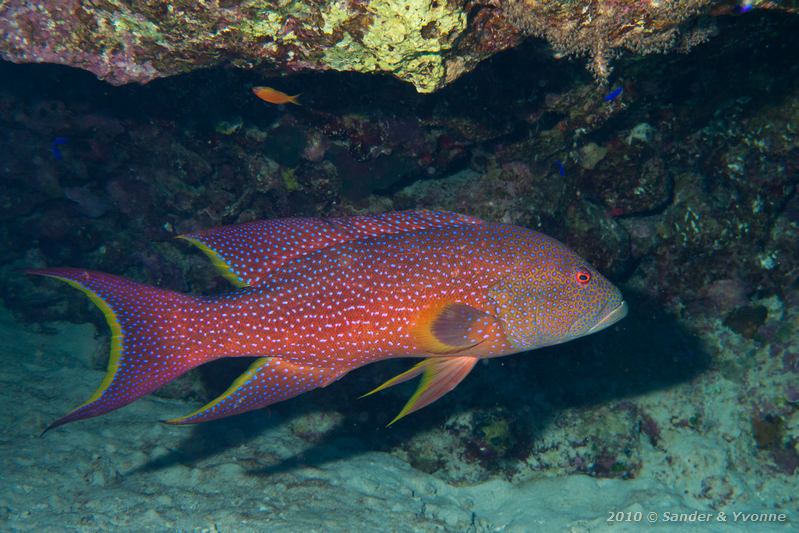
612,95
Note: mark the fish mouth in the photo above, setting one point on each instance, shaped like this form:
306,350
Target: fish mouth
610,318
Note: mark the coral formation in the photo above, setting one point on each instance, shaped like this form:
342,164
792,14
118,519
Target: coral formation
602,28
141,41
428,44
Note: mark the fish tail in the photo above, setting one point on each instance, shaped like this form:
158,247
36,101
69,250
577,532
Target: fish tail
149,347
293,99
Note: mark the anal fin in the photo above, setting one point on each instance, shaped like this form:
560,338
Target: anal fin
267,381
439,376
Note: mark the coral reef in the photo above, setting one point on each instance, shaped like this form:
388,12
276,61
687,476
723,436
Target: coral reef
141,41
428,44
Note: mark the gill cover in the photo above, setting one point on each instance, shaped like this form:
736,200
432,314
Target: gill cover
553,302
518,306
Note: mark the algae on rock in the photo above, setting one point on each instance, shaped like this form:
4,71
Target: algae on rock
426,43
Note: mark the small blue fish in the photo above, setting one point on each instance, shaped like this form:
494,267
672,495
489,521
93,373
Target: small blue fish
561,168
54,144
745,8
613,94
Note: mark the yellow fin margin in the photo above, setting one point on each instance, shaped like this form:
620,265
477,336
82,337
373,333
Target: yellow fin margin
410,406
116,339
436,371
218,261
241,380
411,373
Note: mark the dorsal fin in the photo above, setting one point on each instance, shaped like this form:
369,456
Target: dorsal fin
245,253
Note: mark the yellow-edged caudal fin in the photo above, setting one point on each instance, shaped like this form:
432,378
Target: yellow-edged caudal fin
439,376
141,360
116,339
218,261
268,380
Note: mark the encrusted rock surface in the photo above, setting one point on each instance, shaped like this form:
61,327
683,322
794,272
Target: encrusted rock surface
124,42
427,43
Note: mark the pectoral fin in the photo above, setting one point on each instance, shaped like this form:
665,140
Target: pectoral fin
439,376
450,327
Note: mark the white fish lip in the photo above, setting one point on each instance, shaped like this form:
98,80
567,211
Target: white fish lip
613,316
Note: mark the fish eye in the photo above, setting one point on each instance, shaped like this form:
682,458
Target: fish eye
582,276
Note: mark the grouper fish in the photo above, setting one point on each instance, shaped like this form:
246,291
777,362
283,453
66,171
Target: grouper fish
315,298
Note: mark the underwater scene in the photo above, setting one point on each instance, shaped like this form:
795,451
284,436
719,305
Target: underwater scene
399,266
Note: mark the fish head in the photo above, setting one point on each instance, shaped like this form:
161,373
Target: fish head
552,296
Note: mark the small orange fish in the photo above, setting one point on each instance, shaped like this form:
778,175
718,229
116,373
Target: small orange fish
273,96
